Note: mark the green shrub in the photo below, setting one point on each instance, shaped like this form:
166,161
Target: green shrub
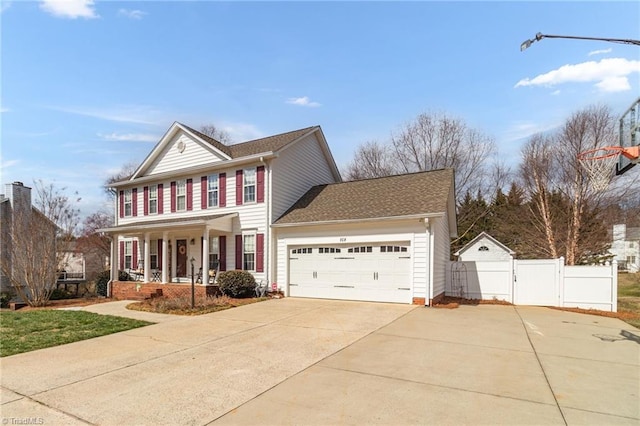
59,294
102,279
237,284
5,298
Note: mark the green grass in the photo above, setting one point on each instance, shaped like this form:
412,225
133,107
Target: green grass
30,330
629,296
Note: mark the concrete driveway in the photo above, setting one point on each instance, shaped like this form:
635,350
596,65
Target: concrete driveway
296,361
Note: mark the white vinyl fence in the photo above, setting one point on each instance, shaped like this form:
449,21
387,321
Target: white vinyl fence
540,282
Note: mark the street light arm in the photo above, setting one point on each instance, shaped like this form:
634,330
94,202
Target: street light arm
527,43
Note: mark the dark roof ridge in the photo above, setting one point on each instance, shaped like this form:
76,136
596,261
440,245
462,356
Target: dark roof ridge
273,136
390,176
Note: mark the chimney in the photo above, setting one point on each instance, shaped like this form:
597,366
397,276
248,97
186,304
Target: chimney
19,197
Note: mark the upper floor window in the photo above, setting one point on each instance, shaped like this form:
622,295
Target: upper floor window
213,190
249,252
128,202
181,195
153,199
249,185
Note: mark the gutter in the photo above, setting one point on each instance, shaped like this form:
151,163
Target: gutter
349,221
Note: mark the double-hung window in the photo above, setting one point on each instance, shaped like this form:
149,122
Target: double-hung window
249,252
128,202
153,254
181,195
212,190
153,199
249,185
214,253
128,254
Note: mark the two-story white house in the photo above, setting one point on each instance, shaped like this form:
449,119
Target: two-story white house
263,205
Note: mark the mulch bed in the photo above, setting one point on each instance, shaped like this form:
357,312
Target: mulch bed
454,302
67,303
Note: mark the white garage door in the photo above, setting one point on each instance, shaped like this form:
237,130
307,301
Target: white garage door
379,273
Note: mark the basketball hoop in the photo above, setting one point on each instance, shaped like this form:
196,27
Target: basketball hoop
600,164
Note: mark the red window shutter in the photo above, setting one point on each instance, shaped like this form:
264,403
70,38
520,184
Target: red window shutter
134,256
121,203
222,246
160,199
222,185
121,251
173,197
238,251
189,194
145,208
134,201
260,184
259,252
160,253
239,187
203,193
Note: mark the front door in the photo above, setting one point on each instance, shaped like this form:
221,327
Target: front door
181,267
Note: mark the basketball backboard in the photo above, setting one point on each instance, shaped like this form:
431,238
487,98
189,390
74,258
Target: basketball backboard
629,135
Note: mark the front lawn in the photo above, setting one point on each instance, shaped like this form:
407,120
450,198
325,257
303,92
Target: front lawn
24,331
629,296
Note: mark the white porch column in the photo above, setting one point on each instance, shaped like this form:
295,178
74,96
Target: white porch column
174,259
165,261
147,257
205,257
114,262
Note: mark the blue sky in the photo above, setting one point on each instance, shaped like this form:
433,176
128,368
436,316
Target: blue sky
87,86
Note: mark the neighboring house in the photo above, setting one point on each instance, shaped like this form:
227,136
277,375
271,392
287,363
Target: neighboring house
257,206
484,248
19,217
625,247
72,264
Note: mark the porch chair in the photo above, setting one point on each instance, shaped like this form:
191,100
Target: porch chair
199,276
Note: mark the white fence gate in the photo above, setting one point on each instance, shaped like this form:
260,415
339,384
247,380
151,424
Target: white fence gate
541,282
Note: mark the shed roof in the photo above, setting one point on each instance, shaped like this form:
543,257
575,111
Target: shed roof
478,238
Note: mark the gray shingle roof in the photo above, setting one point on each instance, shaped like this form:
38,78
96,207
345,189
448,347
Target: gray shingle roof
392,196
256,146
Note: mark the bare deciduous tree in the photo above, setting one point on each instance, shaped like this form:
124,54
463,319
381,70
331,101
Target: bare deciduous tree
216,133
550,165
372,159
38,241
95,245
127,170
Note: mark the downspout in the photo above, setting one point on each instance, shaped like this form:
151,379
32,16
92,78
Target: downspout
429,227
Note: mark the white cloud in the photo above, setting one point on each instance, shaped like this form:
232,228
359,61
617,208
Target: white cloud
609,74
3,110
131,14
303,101
130,137
556,92
523,129
137,114
6,164
240,132
71,9
4,5
600,52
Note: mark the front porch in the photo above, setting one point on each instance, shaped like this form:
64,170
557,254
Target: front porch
138,290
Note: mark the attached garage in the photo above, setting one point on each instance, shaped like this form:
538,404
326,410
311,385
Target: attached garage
372,272
383,240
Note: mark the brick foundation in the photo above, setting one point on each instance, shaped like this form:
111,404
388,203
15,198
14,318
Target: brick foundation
419,301
132,290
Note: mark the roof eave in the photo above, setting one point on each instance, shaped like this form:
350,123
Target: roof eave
347,221
195,169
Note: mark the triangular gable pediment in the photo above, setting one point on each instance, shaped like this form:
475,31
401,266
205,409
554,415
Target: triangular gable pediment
479,240
178,149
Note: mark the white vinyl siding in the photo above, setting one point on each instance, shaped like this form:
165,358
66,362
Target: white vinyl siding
441,255
295,171
194,154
